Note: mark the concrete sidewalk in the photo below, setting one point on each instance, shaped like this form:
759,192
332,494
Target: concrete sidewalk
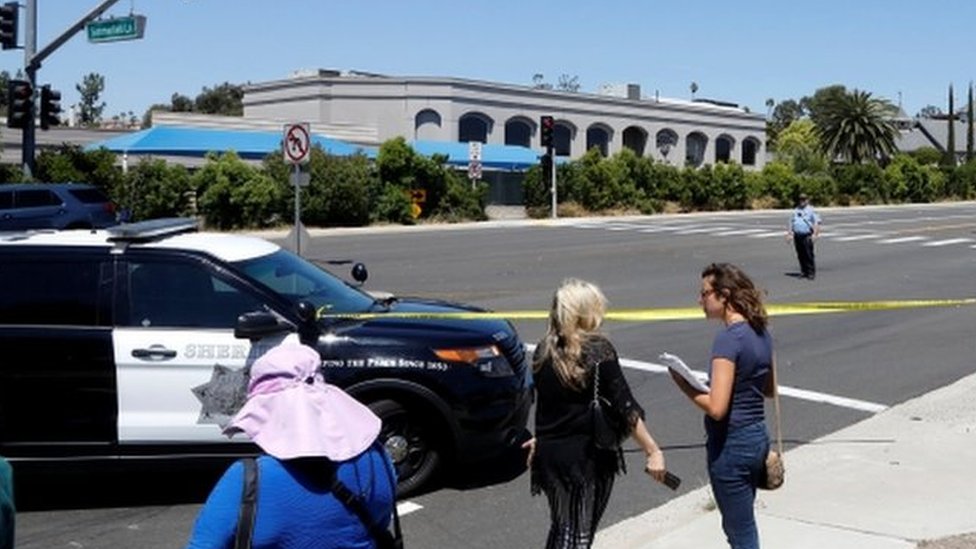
888,482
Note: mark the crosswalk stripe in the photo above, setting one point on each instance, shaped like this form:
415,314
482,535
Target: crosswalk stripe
767,234
856,237
947,242
903,239
740,232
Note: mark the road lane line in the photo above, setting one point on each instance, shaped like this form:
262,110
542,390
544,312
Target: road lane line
738,232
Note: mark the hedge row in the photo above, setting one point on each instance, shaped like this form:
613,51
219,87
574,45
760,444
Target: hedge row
629,182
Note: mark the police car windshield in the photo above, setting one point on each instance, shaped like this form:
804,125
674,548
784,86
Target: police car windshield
298,280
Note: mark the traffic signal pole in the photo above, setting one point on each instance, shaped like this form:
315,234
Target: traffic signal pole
32,62
30,48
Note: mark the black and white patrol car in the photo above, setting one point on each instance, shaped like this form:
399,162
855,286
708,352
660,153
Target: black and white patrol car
136,341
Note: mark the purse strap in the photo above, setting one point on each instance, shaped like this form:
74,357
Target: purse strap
779,427
596,382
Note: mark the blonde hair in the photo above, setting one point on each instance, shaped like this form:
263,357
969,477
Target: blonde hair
577,312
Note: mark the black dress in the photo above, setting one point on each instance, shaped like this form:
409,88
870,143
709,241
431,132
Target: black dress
576,477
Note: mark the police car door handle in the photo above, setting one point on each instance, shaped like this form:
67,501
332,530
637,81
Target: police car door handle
154,352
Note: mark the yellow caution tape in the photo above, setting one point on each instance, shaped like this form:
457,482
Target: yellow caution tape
679,313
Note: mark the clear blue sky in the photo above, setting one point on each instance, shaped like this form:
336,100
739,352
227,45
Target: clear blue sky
744,52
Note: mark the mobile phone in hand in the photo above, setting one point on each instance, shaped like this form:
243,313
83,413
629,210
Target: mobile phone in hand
671,480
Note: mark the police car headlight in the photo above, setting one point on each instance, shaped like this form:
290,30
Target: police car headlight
488,359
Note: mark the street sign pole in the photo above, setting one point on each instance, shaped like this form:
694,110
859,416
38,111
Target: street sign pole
296,149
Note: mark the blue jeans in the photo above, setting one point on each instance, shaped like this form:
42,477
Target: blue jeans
735,465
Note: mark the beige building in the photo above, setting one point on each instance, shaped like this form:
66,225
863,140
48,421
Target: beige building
454,109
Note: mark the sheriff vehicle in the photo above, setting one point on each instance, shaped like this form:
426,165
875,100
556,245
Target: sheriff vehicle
135,342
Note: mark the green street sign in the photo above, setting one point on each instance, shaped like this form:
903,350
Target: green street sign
131,27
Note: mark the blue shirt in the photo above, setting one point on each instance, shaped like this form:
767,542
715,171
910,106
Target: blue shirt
292,512
804,220
752,355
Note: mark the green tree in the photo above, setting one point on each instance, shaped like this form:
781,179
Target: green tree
783,115
950,152
799,146
233,194
817,105
69,163
89,107
180,103
154,188
856,127
225,99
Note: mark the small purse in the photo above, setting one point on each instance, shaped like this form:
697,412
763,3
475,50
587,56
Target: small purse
774,472
605,436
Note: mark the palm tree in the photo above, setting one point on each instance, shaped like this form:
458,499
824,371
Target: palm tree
856,127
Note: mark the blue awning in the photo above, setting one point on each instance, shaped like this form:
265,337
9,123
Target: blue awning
184,141
493,156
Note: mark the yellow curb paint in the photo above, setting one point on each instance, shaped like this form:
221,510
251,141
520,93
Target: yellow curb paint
683,313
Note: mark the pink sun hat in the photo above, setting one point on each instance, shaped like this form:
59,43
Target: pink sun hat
292,412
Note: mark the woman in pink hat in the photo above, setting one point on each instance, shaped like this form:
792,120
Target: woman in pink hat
325,481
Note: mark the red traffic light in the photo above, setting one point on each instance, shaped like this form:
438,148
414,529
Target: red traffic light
547,125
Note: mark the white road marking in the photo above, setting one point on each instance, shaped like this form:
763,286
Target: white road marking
780,234
407,507
856,237
903,239
784,390
946,242
740,232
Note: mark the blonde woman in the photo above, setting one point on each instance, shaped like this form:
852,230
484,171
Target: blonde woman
575,475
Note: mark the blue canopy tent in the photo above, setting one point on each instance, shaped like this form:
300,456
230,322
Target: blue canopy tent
493,156
197,142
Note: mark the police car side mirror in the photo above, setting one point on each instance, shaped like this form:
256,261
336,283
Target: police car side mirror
359,273
260,324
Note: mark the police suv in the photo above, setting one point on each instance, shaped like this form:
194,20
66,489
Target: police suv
136,341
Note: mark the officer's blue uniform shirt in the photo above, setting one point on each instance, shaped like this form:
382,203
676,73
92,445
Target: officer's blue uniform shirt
804,220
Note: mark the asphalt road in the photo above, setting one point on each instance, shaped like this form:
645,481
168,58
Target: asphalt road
840,368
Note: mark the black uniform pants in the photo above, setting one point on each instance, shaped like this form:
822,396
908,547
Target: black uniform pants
804,253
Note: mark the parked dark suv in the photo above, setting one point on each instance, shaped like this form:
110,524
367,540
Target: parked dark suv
136,341
54,206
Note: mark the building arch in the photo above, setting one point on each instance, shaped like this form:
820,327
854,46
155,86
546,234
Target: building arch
666,141
724,145
474,126
750,150
562,137
635,139
599,135
427,124
519,131
695,144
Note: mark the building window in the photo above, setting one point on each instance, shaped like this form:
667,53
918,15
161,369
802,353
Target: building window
723,149
695,145
474,127
665,141
635,139
427,124
562,139
518,132
750,147
599,137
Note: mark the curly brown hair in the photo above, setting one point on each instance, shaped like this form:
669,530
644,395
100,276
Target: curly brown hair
740,293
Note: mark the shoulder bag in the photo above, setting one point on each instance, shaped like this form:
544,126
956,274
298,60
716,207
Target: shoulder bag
602,414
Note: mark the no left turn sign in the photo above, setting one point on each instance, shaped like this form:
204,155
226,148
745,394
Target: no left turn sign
297,143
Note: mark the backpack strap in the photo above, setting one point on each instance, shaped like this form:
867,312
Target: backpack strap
249,499
355,503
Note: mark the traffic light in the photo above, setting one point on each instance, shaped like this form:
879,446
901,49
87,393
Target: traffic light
20,103
546,126
50,107
9,17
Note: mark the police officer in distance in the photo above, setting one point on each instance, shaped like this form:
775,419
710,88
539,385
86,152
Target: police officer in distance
804,230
